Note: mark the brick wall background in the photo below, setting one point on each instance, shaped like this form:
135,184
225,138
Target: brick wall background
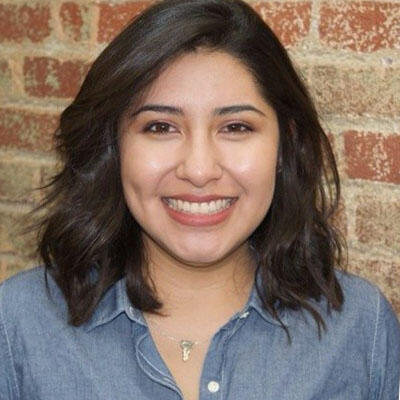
348,52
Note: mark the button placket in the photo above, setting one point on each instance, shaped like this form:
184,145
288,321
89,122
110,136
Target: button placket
212,375
152,364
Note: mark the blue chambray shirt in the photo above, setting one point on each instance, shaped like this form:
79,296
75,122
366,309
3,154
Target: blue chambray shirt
114,357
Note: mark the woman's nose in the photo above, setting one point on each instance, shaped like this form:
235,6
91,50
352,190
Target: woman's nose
200,161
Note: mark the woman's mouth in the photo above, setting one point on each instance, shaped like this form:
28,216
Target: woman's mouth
204,208
199,214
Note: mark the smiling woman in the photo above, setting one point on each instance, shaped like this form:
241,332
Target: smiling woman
200,156
187,243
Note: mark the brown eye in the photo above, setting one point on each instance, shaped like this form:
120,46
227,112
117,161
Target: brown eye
158,127
239,128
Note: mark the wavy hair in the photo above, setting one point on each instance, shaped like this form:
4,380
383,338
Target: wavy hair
87,226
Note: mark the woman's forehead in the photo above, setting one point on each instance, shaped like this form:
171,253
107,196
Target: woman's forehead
201,78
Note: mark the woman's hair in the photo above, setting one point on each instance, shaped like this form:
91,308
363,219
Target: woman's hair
88,239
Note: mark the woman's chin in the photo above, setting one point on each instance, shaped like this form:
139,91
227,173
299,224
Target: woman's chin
206,255
196,258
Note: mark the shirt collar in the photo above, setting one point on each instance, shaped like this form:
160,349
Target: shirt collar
116,301
256,303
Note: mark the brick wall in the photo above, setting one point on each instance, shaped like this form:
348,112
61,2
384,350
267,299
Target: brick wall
348,52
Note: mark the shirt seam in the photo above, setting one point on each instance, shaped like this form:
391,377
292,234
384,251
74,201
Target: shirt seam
371,377
11,358
239,324
144,357
153,366
169,383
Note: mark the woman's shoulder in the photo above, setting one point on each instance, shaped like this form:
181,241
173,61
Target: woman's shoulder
365,308
26,295
369,327
364,314
33,274
25,283
361,296
359,293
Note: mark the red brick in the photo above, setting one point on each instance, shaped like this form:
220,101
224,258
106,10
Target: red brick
45,76
349,90
334,145
372,156
377,221
75,21
339,219
18,179
12,223
114,17
27,130
8,223
5,78
382,273
10,265
289,20
19,22
6,244
360,25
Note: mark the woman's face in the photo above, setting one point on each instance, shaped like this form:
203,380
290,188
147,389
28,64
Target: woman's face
203,129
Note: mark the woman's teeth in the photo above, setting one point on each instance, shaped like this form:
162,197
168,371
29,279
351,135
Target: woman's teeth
207,208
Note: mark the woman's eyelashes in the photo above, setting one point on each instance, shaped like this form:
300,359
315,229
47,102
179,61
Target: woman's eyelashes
164,128
238,127
158,127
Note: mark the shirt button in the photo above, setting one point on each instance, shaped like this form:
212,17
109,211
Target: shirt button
213,386
245,314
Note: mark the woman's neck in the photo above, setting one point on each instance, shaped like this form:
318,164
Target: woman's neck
199,293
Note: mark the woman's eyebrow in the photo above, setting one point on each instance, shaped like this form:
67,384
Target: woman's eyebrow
179,111
237,108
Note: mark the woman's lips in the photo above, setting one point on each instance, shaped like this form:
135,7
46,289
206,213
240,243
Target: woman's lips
199,199
199,219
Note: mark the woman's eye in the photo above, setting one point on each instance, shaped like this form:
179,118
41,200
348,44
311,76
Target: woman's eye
240,128
164,128
158,127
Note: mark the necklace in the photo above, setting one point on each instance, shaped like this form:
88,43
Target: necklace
185,345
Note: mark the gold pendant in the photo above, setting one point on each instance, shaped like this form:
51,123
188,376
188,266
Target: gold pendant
186,346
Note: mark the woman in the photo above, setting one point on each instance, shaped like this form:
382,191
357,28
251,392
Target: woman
187,243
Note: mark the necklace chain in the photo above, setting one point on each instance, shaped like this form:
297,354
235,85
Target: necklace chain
164,333
185,345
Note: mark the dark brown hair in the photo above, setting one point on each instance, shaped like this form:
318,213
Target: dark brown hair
88,239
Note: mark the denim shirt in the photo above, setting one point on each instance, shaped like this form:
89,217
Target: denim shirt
113,356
